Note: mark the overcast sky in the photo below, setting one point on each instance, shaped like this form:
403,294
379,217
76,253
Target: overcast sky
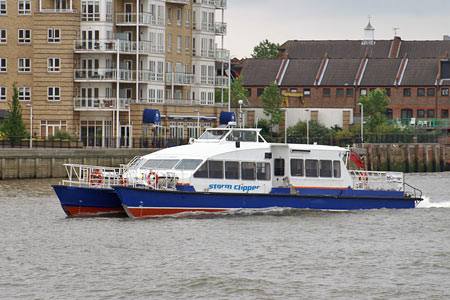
251,21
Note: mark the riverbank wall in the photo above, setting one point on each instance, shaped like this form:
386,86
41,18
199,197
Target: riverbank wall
46,163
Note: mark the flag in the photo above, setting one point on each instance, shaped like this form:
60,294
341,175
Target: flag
356,159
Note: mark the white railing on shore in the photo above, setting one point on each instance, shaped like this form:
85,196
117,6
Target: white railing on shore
377,180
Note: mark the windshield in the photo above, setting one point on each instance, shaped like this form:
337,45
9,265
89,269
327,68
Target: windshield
243,136
213,134
188,164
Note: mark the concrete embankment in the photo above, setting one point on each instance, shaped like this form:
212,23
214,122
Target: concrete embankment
46,163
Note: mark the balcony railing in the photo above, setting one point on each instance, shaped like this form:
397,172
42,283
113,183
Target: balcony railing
104,75
220,28
58,10
180,78
222,54
110,46
128,19
182,102
220,4
145,75
178,1
80,103
221,81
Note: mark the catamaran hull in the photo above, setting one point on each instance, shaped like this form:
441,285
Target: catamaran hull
141,203
89,202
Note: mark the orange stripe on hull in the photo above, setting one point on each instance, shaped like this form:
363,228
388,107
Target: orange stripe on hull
143,212
79,211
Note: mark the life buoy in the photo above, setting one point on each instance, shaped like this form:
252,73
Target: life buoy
152,178
96,178
124,181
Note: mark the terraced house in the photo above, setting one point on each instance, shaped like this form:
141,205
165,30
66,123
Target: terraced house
335,73
92,67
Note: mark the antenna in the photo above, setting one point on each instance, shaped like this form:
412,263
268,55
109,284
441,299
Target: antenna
395,30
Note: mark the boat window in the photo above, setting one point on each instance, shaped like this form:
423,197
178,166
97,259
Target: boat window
296,167
188,164
262,171
202,172
279,167
325,168
248,170
213,134
232,170
215,169
242,136
311,168
337,169
160,163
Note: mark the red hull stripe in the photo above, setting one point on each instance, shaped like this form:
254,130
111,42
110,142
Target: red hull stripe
142,212
89,210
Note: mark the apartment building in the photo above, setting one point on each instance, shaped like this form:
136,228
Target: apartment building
92,67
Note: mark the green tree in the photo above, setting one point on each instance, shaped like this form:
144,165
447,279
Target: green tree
238,92
375,108
13,126
266,49
271,101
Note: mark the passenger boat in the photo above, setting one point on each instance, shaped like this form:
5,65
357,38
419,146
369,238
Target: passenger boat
233,168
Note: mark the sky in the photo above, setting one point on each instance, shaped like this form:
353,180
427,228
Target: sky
252,21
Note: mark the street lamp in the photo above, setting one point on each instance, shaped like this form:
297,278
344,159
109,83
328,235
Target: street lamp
240,112
362,122
198,122
285,124
307,126
31,125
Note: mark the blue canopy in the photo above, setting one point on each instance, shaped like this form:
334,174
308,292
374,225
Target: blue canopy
227,116
151,116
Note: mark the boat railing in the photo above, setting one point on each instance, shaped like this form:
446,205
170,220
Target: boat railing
92,176
377,180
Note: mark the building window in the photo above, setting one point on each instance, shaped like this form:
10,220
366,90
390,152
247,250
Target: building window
444,92
188,18
430,113
3,93
53,35
53,65
326,92
3,36
169,15
406,92
24,93
363,92
420,113
420,92
306,92
349,92
3,65
53,93
259,92
3,10
90,10
179,44
389,114
169,43
186,44
249,92
24,36
340,92
24,7
388,92
24,65
444,113
430,92
179,16
406,113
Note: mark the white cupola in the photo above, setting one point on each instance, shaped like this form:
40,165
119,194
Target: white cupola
369,34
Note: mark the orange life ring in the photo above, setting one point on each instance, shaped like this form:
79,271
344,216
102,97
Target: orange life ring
152,178
96,178
124,181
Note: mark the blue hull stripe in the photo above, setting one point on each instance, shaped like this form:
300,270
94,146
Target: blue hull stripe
348,200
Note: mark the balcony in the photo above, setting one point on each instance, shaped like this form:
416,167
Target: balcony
220,28
220,4
179,79
145,19
178,1
104,75
222,54
221,81
150,48
58,11
107,46
146,76
80,103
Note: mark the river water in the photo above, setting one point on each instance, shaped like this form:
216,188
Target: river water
276,254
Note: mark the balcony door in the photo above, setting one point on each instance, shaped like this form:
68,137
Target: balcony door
128,9
90,39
